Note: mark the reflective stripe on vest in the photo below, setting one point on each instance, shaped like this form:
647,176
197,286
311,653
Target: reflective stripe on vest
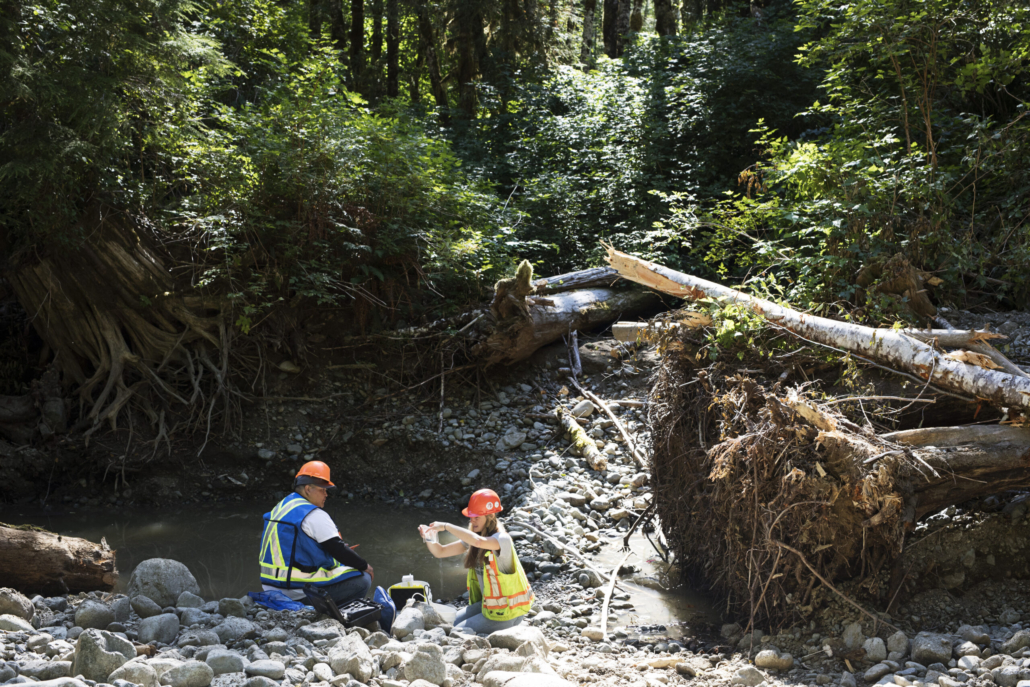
507,596
278,566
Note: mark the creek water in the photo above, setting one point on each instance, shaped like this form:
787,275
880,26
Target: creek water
219,544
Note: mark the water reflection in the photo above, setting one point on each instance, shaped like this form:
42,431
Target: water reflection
219,544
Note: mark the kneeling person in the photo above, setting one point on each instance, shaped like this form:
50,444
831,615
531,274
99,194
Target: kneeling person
499,592
302,545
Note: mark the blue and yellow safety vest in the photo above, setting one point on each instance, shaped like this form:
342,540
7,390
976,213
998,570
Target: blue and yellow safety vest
290,558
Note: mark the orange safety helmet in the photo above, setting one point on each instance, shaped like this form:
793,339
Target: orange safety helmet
483,502
313,472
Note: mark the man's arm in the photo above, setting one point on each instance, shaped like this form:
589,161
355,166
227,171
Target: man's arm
343,553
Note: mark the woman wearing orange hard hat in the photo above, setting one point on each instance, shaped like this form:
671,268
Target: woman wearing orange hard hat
499,592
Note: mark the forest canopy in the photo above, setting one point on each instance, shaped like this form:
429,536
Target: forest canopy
205,169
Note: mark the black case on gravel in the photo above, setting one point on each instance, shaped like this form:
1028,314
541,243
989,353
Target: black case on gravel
356,613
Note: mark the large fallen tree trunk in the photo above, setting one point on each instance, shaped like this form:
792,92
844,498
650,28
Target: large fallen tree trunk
887,346
547,319
34,560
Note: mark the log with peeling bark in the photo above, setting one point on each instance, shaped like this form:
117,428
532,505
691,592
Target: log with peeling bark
886,346
583,279
548,318
34,560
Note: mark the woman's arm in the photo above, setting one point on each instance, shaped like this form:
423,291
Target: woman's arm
467,536
455,548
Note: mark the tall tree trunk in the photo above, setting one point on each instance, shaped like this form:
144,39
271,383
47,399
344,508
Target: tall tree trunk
376,49
636,19
315,19
337,27
690,12
586,54
552,23
664,18
609,27
430,55
357,42
467,41
622,27
393,45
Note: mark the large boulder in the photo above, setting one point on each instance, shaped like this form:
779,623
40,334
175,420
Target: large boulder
1018,641
430,616
235,629
159,628
46,670
144,606
273,670
189,674
13,602
93,614
352,656
407,621
188,599
14,623
427,664
223,661
769,659
163,580
232,607
514,637
137,672
511,663
99,653
929,647
323,629
60,682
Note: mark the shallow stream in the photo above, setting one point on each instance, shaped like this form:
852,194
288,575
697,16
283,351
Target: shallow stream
219,544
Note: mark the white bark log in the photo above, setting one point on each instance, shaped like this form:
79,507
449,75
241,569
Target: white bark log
884,345
553,316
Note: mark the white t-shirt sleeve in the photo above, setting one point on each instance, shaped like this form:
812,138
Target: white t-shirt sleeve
506,555
319,526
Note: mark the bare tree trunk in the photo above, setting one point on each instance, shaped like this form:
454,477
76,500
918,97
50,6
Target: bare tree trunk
430,52
622,27
636,19
467,41
888,346
357,42
609,27
664,18
315,19
691,11
586,54
337,27
393,48
34,560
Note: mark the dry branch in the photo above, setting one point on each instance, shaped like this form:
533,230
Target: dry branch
887,346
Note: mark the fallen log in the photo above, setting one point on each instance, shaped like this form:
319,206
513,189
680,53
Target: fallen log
887,346
581,442
583,279
34,560
545,320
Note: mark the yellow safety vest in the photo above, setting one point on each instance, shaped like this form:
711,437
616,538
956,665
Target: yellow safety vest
506,596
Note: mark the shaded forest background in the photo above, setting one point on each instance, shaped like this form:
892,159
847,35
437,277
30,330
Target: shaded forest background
184,184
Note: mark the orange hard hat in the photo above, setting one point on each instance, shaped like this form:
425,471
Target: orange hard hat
483,502
313,472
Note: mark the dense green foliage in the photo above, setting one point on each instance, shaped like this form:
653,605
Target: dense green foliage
299,154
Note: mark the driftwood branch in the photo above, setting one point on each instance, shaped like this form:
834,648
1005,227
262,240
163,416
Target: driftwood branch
885,345
608,595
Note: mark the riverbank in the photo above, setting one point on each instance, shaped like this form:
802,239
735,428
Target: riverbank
431,455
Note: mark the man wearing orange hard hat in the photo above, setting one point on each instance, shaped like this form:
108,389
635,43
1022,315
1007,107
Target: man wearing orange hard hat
301,544
499,592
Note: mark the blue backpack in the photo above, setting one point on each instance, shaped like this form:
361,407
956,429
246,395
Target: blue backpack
389,610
